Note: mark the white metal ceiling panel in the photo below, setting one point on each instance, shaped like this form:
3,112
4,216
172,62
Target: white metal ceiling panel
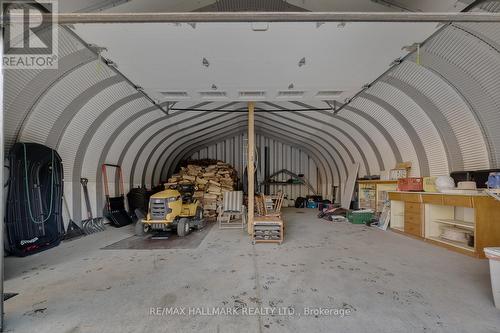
489,32
395,129
19,79
39,124
158,136
163,150
340,154
455,110
235,58
76,130
102,135
424,127
380,141
120,141
474,59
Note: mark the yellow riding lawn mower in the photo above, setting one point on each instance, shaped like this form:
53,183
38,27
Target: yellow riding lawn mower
173,209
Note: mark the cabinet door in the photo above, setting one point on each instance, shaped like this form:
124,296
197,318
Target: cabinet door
457,200
366,196
413,218
382,194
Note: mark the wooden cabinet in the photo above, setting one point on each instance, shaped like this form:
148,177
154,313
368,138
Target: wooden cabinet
413,219
367,193
413,207
434,199
487,215
372,194
431,216
457,200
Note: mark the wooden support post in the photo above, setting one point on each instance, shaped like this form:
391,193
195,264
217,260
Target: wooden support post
250,166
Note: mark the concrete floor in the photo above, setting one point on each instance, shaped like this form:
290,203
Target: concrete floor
384,281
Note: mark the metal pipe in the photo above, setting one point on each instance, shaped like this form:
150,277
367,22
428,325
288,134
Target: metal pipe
257,110
74,18
251,166
2,177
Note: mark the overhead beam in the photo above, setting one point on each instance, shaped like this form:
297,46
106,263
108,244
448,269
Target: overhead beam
74,18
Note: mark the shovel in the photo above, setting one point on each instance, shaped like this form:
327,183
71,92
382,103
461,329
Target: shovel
73,229
91,224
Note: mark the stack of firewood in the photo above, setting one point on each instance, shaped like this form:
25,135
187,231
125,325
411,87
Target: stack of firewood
212,179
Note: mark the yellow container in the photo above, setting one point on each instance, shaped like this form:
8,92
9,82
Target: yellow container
430,184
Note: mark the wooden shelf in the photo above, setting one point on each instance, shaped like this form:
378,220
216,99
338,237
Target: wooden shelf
477,214
452,243
458,223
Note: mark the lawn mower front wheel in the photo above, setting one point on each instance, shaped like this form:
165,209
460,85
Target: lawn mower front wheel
183,227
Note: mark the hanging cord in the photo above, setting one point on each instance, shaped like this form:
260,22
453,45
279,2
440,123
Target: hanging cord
27,188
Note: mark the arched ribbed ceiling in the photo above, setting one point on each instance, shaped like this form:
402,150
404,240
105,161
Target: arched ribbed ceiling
441,114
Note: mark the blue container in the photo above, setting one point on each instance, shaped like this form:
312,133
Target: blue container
312,204
494,180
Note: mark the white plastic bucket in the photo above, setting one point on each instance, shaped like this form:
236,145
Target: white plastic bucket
493,254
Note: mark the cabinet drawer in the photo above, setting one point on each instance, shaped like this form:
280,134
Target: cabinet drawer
413,207
411,197
433,199
395,196
413,229
457,200
413,219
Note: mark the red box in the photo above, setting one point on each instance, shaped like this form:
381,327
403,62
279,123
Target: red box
411,184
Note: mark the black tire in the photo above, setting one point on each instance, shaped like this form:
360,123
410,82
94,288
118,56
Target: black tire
183,227
139,229
199,213
200,221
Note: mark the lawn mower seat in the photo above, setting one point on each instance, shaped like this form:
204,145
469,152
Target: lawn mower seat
187,192
187,198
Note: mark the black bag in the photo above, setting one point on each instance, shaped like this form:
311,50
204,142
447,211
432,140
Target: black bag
33,217
300,202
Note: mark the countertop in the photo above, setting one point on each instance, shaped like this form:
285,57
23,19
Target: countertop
466,194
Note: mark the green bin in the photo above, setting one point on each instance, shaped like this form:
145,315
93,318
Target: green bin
359,217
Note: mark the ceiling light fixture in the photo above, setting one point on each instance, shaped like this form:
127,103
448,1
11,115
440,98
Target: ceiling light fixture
395,62
410,48
110,63
260,26
169,107
333,105
97,49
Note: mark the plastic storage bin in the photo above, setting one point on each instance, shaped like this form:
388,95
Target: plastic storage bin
411,184
359,217
395,174
311,204
430,184
493,254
